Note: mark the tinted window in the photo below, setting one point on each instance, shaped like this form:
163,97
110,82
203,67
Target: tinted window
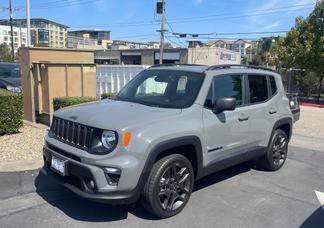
273,84
9,70
258,88
163,88
226,86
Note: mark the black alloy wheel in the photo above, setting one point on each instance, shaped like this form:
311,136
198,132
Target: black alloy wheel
169,186
175,186
277,151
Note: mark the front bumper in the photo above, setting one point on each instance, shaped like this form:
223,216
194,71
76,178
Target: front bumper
79,175
296,114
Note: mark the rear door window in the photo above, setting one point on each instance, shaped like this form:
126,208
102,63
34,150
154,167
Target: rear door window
258,88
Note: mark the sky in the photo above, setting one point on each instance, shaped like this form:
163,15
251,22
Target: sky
136,20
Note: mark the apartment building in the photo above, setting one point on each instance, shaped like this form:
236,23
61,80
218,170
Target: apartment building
20,36
43,32
241,45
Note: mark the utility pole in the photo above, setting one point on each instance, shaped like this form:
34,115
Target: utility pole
11,29
162,32
28,22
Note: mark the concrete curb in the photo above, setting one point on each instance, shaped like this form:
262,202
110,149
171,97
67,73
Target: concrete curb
15,166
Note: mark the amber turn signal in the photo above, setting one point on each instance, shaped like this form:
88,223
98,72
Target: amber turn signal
127,138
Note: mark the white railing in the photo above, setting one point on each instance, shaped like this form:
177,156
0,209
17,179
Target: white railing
111,78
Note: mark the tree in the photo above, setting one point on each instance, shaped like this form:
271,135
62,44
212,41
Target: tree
264,54
167,45
5,54
303,47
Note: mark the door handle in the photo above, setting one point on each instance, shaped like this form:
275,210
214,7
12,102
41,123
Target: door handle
273,111
243,117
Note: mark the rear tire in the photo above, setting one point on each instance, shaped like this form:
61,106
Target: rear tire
169,186
277,151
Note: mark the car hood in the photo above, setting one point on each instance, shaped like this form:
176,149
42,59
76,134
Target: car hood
12,81
113,115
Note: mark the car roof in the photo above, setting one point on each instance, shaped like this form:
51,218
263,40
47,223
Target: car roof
180,67
223,68
8,64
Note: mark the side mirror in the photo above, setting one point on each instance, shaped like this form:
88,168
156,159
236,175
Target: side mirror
224,104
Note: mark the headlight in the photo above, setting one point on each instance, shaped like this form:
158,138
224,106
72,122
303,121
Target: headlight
13,89
109,139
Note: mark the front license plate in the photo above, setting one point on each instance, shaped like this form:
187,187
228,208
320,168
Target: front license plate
58,165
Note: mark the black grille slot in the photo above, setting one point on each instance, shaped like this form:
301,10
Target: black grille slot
72,133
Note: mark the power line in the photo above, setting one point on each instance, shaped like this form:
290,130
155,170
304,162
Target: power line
260,10
236,16
60,4
180,41
210,17
196,35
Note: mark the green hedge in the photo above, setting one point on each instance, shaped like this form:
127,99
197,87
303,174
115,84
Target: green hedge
11,112
108,95
61,102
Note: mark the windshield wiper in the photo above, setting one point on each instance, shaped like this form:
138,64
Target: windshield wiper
137,101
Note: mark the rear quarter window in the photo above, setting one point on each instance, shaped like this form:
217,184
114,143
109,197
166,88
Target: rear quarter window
273,84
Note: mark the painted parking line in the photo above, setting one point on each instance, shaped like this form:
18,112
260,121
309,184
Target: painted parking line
320,197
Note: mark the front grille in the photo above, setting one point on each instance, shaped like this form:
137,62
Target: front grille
72,133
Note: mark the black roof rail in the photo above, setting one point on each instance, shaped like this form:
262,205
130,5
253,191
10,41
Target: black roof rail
175,64
228,66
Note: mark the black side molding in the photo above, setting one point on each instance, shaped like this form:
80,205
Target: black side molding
280,122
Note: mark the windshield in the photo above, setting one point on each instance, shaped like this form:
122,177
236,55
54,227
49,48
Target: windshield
163,88
10,70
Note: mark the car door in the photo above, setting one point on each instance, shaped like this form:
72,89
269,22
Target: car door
225,133
262,109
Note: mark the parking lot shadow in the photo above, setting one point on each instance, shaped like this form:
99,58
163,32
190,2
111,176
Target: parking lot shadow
84,210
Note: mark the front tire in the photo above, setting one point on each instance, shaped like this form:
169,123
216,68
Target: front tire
169,186
277,151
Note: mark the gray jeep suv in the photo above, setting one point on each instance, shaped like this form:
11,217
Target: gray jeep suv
167,128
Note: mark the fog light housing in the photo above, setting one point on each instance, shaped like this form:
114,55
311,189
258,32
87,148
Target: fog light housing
89,184
112,175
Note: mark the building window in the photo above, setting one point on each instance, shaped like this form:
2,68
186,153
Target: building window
5,32
15,33
43,36
5,38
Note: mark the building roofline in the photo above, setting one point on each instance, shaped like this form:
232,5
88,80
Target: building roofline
37,19
90,30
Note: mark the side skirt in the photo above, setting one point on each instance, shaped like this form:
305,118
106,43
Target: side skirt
227,162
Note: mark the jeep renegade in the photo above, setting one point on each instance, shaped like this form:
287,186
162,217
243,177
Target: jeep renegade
168,127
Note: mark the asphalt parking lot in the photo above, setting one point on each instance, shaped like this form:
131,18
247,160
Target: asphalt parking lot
241,196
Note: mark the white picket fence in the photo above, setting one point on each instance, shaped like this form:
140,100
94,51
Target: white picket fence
111,78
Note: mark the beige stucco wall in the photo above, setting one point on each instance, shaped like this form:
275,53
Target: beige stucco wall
212,56
48,73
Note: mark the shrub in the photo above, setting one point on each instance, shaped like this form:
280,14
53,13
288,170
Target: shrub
11,112
61,102
108,95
